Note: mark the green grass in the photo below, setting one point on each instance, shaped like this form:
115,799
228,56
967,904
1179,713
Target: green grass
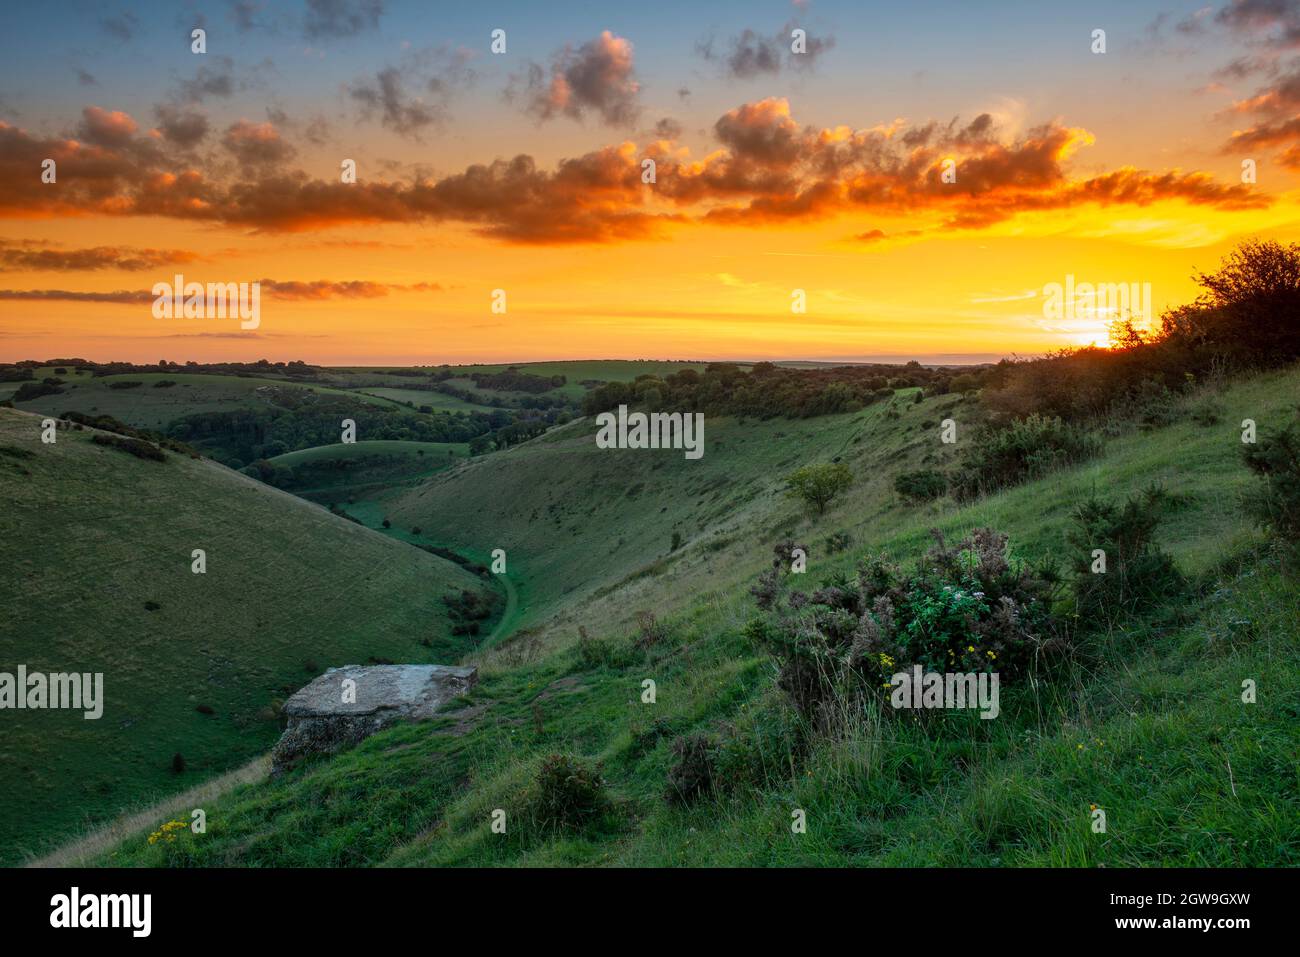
1147,723
89,535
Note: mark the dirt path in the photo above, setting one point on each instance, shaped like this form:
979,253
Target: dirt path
102,839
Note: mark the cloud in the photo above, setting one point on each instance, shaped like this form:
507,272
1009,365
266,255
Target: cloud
256,144
336,19
596,78
64,295
766,167
397,111
104,128
208,81
438,72
753,54
1275,110
34,257
86,79
120,26
184,128
319,290
1274,24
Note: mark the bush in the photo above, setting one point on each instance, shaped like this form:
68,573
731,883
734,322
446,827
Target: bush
1018,451
178,763
599,652
34,390
1276,459
566,793
968,607
1138,574
694,768
819,485
922,485
137,447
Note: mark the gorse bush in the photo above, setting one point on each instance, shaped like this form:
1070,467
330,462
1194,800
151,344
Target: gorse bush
1020,450
968,607
1138,575
566,793
137,447
694,768
1276,459
922,485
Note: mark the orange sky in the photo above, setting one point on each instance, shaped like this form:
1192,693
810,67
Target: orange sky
769,194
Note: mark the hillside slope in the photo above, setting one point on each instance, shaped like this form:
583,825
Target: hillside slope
1149,726
96,546
588,531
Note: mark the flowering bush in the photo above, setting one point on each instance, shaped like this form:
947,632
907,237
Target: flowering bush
968,607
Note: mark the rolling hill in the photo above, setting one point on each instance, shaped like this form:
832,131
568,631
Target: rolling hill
97,546
1150,725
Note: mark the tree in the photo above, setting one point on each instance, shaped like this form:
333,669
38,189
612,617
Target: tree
819,484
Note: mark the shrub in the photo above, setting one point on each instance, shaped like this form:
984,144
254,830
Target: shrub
1018,451
599,652
34,390
178,763
820,484
565,793
922,485
838,542
1138,575
132,384
1276,460
694,768
137,447
968,607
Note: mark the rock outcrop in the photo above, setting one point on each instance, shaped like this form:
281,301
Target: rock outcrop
346,705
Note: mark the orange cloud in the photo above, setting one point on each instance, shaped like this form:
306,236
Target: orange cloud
767,168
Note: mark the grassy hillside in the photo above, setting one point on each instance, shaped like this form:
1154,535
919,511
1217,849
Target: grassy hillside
96,545
336,473
1147,723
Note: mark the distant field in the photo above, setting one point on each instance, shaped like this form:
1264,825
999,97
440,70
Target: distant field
152,407
339,473
438,401
106,586
368,449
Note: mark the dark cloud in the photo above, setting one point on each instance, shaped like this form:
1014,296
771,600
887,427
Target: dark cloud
596,78
334,19
668,129
182,127
209,81
397,110
754,54
86,79
1272,23
120,26
28,256
436,74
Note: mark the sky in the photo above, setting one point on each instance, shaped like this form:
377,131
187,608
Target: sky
915,176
